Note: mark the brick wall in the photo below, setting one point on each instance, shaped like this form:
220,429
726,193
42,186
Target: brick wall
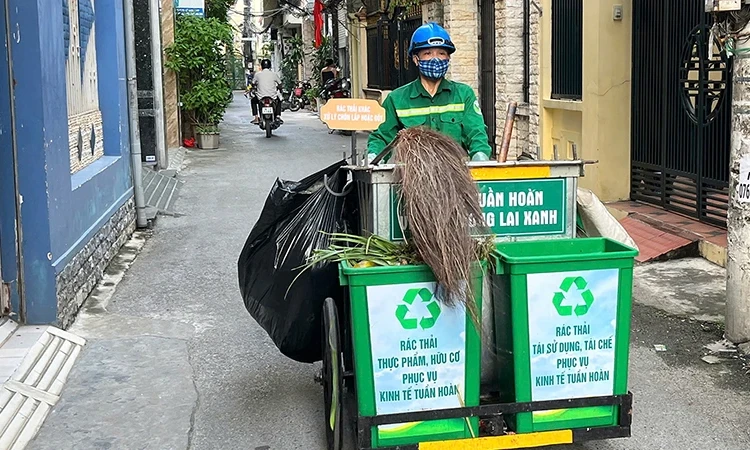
432,11
83,131
461,20
308,37
510,74
81,275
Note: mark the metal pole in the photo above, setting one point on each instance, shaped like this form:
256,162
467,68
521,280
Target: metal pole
157,68
738,216
502,156
135,134
14,151
355,156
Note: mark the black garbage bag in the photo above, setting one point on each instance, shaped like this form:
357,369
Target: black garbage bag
293,223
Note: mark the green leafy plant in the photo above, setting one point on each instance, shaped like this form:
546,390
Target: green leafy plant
313,93
291,62
319,57
218,9
207,129
267,49
198,57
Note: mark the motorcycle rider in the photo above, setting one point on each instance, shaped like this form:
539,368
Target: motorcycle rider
267,84
329,72
442,105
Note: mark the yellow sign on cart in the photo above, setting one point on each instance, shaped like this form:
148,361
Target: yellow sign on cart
514,441
352,114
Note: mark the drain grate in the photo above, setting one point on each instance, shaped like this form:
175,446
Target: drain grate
160,190
35,387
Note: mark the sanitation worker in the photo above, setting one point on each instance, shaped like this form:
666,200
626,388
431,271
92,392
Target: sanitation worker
432,101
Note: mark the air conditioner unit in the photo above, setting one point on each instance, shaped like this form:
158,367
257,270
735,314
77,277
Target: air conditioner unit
723,5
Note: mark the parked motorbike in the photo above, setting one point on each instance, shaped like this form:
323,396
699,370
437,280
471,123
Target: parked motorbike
269,121
336,88
285,99
297,98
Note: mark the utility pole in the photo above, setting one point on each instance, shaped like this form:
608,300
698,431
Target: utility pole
738,217
158,81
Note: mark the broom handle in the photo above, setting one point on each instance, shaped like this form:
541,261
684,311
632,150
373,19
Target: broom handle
388,149
510,118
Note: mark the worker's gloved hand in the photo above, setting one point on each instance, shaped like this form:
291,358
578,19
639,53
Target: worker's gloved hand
370,158
479,156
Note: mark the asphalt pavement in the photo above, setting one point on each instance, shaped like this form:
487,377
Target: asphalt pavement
174,361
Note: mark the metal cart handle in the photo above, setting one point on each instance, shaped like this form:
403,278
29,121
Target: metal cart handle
344,192
386,151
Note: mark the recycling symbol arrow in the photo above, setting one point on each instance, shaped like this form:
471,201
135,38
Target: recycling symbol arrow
560,296
433,308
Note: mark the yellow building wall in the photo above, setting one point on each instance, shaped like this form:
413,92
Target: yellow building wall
599,124
171,98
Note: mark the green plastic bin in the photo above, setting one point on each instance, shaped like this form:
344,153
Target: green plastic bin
411,353
568,327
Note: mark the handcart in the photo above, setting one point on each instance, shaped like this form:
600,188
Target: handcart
531,207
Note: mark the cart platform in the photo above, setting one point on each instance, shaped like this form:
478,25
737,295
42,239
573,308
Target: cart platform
489,413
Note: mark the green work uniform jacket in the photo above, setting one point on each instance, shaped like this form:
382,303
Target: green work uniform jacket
454,111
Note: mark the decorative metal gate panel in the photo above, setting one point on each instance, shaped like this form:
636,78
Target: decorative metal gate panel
404,70
388,62
681,111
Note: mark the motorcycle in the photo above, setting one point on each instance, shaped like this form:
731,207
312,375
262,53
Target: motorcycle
297,98
285,96
269,121
336,88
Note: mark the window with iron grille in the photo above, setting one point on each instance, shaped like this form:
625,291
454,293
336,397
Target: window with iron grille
567,49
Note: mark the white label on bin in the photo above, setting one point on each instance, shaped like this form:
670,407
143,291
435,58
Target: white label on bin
572,333
743,186
418,349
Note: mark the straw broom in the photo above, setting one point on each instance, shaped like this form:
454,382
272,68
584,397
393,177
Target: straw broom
441,202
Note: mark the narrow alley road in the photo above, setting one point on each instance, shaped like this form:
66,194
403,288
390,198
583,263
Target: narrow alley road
174,361
177,362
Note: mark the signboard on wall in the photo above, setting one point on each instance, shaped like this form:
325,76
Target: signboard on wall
191,7
510,208
743,186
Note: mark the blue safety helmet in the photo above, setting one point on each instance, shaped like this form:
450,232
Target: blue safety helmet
431,35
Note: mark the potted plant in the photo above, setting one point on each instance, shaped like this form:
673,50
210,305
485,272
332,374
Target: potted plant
199,58
313,94
208,136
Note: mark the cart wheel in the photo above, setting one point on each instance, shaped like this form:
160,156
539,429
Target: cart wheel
332,376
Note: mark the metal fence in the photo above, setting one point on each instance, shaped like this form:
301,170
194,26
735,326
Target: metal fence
388,62
567,49
681,111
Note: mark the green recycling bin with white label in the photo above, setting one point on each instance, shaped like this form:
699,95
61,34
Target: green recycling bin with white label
412,352
570,309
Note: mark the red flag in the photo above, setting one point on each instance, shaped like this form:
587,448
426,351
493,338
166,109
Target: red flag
318,18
